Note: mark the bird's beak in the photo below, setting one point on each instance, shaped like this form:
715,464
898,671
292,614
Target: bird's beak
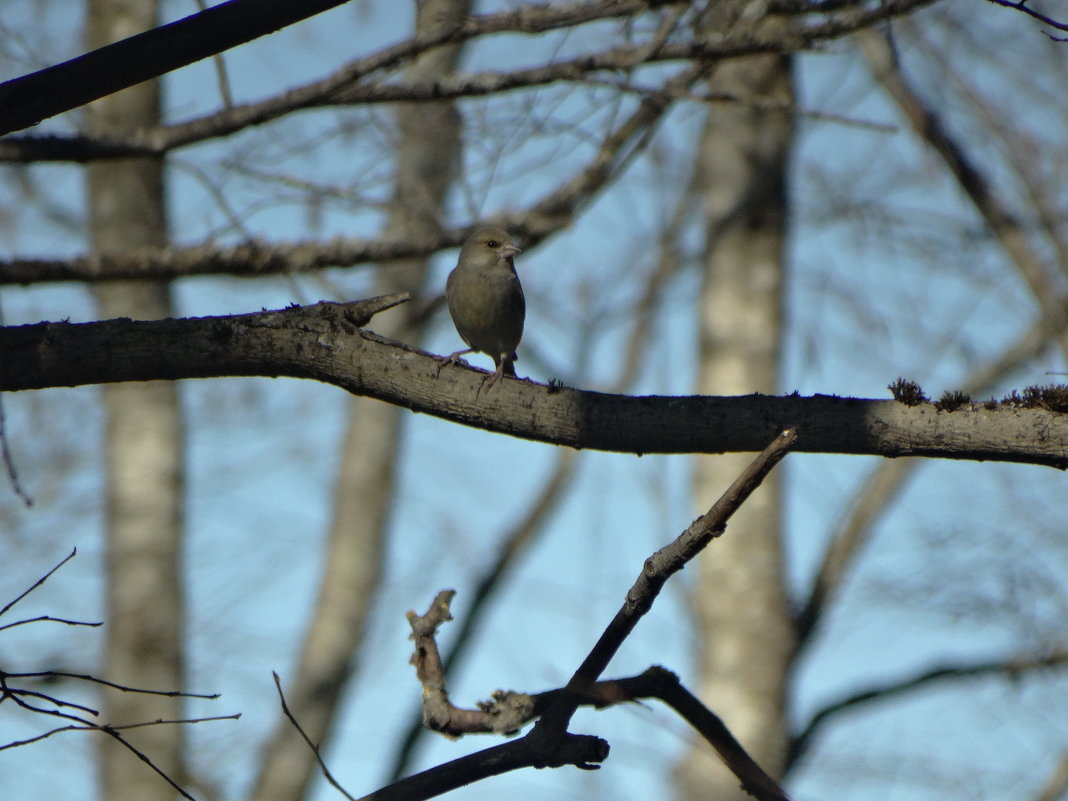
507,251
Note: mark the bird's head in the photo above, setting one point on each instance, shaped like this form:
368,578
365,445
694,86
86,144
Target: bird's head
488,243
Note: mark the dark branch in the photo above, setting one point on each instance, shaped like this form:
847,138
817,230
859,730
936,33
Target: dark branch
50,619
1022,6
508,710
661,566
27,100
317,94
324,343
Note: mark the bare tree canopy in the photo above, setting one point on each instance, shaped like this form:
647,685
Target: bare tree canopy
828,233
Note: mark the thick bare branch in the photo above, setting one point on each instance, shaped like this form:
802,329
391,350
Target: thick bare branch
322,343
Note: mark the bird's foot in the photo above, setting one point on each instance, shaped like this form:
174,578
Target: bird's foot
452,358
504,368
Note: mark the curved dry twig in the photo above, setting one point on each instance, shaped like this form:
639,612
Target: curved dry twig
508,711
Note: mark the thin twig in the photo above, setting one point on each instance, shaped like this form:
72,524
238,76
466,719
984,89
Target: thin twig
50,619
41,580
111,731
1021,5
9,460
53,674
314,748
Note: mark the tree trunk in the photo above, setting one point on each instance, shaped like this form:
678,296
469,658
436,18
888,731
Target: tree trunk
428,150
741,610
142,449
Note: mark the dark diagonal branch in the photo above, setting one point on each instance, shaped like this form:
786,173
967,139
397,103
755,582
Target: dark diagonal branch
549,744
315,748
39,582
80,723
659,567
77,717
578,750
27,100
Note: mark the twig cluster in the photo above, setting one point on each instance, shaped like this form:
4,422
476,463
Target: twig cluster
549,743
79,717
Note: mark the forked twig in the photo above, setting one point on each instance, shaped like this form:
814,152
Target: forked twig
549,744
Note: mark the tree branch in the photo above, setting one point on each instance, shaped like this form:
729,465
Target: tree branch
557,208
164,49
1021,5
551,729
549,743
512,545
1009,667
323,343
27,100
508,711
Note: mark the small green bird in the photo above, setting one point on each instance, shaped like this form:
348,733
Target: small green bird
486,300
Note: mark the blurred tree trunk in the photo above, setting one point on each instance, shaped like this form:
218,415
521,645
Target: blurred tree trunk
740,605
428,150
142,449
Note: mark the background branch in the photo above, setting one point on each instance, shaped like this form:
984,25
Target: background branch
801,742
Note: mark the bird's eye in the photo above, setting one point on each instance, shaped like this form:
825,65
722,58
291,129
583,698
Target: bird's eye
493,243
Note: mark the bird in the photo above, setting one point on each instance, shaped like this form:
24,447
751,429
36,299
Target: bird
486,299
